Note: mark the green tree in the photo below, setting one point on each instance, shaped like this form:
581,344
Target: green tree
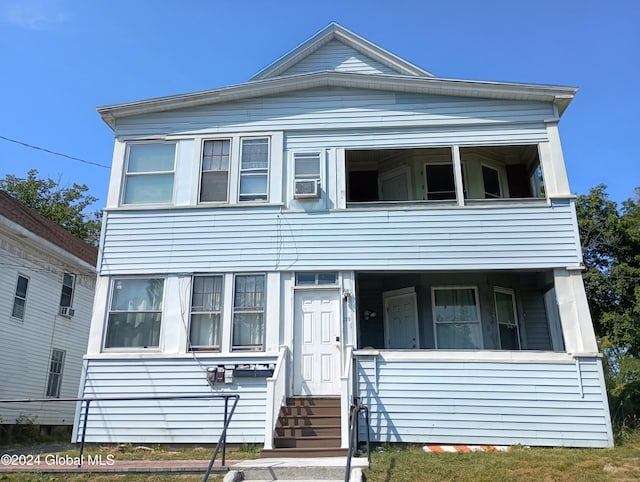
611,248
66,206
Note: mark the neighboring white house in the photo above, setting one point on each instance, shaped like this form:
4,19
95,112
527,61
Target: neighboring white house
48,278
345,224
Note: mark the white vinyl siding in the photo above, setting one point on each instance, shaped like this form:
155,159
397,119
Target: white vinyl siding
339,57
341,113
224,240
170,421
543,403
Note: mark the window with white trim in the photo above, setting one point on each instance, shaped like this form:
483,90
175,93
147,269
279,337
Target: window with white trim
456,316
149,173
20,297
214,177
56,367
254,169
248,312
135,313
68,283
206,312
507,318
306,170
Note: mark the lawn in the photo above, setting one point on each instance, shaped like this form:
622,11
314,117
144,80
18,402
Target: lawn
390,463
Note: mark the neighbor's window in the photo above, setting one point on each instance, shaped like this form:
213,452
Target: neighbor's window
214,183
457,318
20,298
135,313
254,169
149,173
249,312
56,366
66,297
206,310
507,319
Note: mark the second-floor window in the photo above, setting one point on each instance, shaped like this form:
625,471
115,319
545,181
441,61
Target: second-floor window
254,170
20,297
214,183
149,173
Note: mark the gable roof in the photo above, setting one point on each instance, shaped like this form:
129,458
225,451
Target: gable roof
331,35
285,75
42,227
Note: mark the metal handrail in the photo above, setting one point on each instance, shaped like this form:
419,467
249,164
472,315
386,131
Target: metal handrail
356,408
222,439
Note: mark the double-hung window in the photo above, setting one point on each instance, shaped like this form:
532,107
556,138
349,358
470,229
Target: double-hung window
440,181
56,366
249,312
20,297
507,318
66,296
456,316
206,310
214,183
254,169
149,173
135,313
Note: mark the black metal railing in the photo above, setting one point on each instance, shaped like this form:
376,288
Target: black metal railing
354,424
222,439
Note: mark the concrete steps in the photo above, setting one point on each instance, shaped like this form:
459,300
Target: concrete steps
323,469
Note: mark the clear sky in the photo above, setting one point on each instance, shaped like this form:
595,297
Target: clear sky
60,59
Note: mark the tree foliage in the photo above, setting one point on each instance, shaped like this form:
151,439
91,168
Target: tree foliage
66,206
611,248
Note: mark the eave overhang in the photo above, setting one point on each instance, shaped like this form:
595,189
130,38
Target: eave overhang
561,96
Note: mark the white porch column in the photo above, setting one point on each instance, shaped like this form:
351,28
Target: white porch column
554,172
577,326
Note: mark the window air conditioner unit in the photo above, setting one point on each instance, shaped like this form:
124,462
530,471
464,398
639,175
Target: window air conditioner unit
306,188
67,311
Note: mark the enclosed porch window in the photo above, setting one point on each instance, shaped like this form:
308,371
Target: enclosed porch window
487,310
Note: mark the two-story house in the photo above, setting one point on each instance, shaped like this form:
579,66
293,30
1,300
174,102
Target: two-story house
47,277
345,224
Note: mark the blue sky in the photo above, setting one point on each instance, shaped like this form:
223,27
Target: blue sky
63,58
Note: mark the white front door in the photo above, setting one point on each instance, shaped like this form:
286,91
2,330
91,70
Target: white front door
401,319
316,355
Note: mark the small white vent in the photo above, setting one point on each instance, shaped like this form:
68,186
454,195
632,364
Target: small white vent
67,311
306,188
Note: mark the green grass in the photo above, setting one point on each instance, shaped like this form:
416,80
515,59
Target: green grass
389,463
411,464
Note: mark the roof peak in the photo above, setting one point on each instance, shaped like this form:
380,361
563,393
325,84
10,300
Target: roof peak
335,31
